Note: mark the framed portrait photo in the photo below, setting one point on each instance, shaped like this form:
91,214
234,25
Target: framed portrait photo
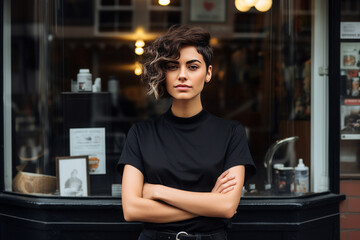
72,175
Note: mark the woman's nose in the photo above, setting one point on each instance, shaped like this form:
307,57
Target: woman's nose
182,73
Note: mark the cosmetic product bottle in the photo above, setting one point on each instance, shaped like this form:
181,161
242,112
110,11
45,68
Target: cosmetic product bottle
113,88
84,80
301,177
97,85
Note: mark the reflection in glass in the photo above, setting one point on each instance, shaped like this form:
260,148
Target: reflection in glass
261,78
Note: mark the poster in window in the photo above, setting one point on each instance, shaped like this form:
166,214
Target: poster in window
350,55
350,122
350,30
90,142
213,11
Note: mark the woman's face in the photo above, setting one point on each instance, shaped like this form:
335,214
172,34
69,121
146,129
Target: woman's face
185,77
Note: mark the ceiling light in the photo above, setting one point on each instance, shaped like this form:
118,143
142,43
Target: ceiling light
263,5
239,4
164,2
138,71
249,3
139,43
139,51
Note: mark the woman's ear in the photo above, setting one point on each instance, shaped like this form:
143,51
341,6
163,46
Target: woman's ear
208,74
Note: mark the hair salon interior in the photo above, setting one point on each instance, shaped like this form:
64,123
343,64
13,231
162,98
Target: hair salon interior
288,70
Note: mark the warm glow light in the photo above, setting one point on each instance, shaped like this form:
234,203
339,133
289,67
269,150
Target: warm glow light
139,43
263,5
138,71
214,41
164,2
139,31
139,51
249,3
239,4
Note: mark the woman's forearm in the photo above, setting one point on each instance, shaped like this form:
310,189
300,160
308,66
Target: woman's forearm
137,208
146,210
210,204
204,204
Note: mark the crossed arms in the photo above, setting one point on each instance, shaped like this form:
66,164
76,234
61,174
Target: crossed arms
155,203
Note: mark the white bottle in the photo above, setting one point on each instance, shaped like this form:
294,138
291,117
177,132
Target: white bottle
113,88
84,80
97,85
301,177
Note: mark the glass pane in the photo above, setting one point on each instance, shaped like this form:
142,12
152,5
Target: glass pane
350,95
261,78
115,21
161,20
78,12
267,88
116,2
107,2
35,79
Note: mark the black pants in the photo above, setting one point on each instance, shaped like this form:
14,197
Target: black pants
143,237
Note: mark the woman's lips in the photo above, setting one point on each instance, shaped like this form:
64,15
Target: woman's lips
182,87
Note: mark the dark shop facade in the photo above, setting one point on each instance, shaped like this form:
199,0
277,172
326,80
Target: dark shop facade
288,70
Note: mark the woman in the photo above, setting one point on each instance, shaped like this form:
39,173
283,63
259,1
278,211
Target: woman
184,170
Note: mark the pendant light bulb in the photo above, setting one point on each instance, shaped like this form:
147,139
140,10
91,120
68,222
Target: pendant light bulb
239,4
164,2
263,5
139,51
139,43
249,3
138,71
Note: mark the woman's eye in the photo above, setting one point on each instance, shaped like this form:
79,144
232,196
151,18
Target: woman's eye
193,67
171,67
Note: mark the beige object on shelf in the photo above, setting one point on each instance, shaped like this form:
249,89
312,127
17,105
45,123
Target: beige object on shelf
25,182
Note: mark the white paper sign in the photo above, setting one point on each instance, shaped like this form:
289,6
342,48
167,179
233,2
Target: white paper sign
90,142
208,11
350,30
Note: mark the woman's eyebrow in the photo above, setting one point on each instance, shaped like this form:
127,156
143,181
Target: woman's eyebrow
188,62
192,61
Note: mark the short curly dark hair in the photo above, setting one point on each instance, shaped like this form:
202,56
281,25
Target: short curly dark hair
166,48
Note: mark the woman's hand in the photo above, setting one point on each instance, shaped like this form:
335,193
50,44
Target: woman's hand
225,183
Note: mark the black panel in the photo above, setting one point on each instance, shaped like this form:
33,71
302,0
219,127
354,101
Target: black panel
334,95
90,110
311,218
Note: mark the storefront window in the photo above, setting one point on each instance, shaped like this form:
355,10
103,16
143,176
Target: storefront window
350,95
54,118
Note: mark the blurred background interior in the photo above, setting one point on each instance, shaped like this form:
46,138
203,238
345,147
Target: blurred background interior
261,76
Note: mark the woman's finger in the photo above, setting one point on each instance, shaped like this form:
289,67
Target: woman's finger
228,189
220,180
226,185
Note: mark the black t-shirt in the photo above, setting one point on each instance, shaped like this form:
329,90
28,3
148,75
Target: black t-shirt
187,154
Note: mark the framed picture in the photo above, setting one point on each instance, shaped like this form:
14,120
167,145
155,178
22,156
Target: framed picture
349,54
72,175
208,11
